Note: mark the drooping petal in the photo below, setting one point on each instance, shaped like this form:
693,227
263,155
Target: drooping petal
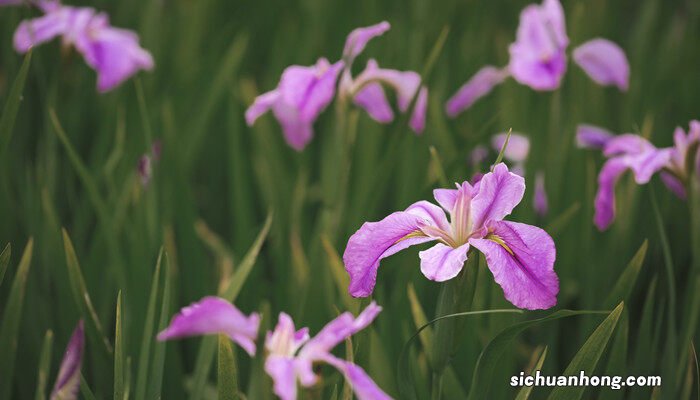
214,315
605,197
68,379
336,331
260,106
592,137
539,201
477,87
281,370
518,146
39,30
417,121
604,62
296,131
441,262
499,192
521,258
363,386
405,83
641,156
373,100
358,39
375,241
673,184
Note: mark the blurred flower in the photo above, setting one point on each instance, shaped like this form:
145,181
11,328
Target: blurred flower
291,354
516,152
539,201
68,380
677,172
478,155
214,315
520,256
592,137
538,58
115,54
302,94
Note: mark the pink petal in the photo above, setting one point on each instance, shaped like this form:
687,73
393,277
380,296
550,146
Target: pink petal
441,262
605,197
336,331
499,192
592,137
674,185
363,386
604,61
260,106
375,241
373,100
417,122
539,202
518,146
430,213
477,87
446,198
283,374
285,340
68,380
526,272
214,315
39,30
358,39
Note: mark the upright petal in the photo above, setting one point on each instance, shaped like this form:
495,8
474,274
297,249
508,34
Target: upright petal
441,262
605,197
604,61
375,241
260,106
373,100
363,386
39,30
417,121
342,327
68,380
521,258
446,198
477,87
310,89
214,315
281,370
518,146
285,340
430,213
358,39
592,137
406,83
499,192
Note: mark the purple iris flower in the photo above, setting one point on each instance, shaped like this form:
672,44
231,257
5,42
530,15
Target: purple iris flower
214,315
592,137
304,92
520,256
516,152
291,354
68,380
114,53
676,173
538,58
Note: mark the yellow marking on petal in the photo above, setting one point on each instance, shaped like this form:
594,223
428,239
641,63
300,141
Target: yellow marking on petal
500,241
414,234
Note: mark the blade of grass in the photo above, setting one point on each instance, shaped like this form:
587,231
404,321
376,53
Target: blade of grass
5,261
44,366
617,362
419,319
503,148
525,392
339,275
587,357
119,378
144,356
81,295
563,219
85,389
491,355
10,322
14,99
155,381
227,375
207,348
624,285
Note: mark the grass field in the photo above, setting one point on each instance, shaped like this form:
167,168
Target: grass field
233,209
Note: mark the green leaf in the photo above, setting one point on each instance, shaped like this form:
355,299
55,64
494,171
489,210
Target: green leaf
14,99
81,295
44,366
419,319
563,219
503,148
436,162
227,376
404,380
148,337
587,357
10,322
490,357
525,392
207,349
85,389
119,377
5,261
617,363
340,276
625,283
155,381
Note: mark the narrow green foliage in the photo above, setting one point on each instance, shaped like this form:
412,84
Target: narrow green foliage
5,261
420,320
438,168
155,378
119,368
12,314
148,337
340,276
42,379
562,221
14,99
503,148
81,295
227,374
625,283
525,392
587,357
85,389
617,362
